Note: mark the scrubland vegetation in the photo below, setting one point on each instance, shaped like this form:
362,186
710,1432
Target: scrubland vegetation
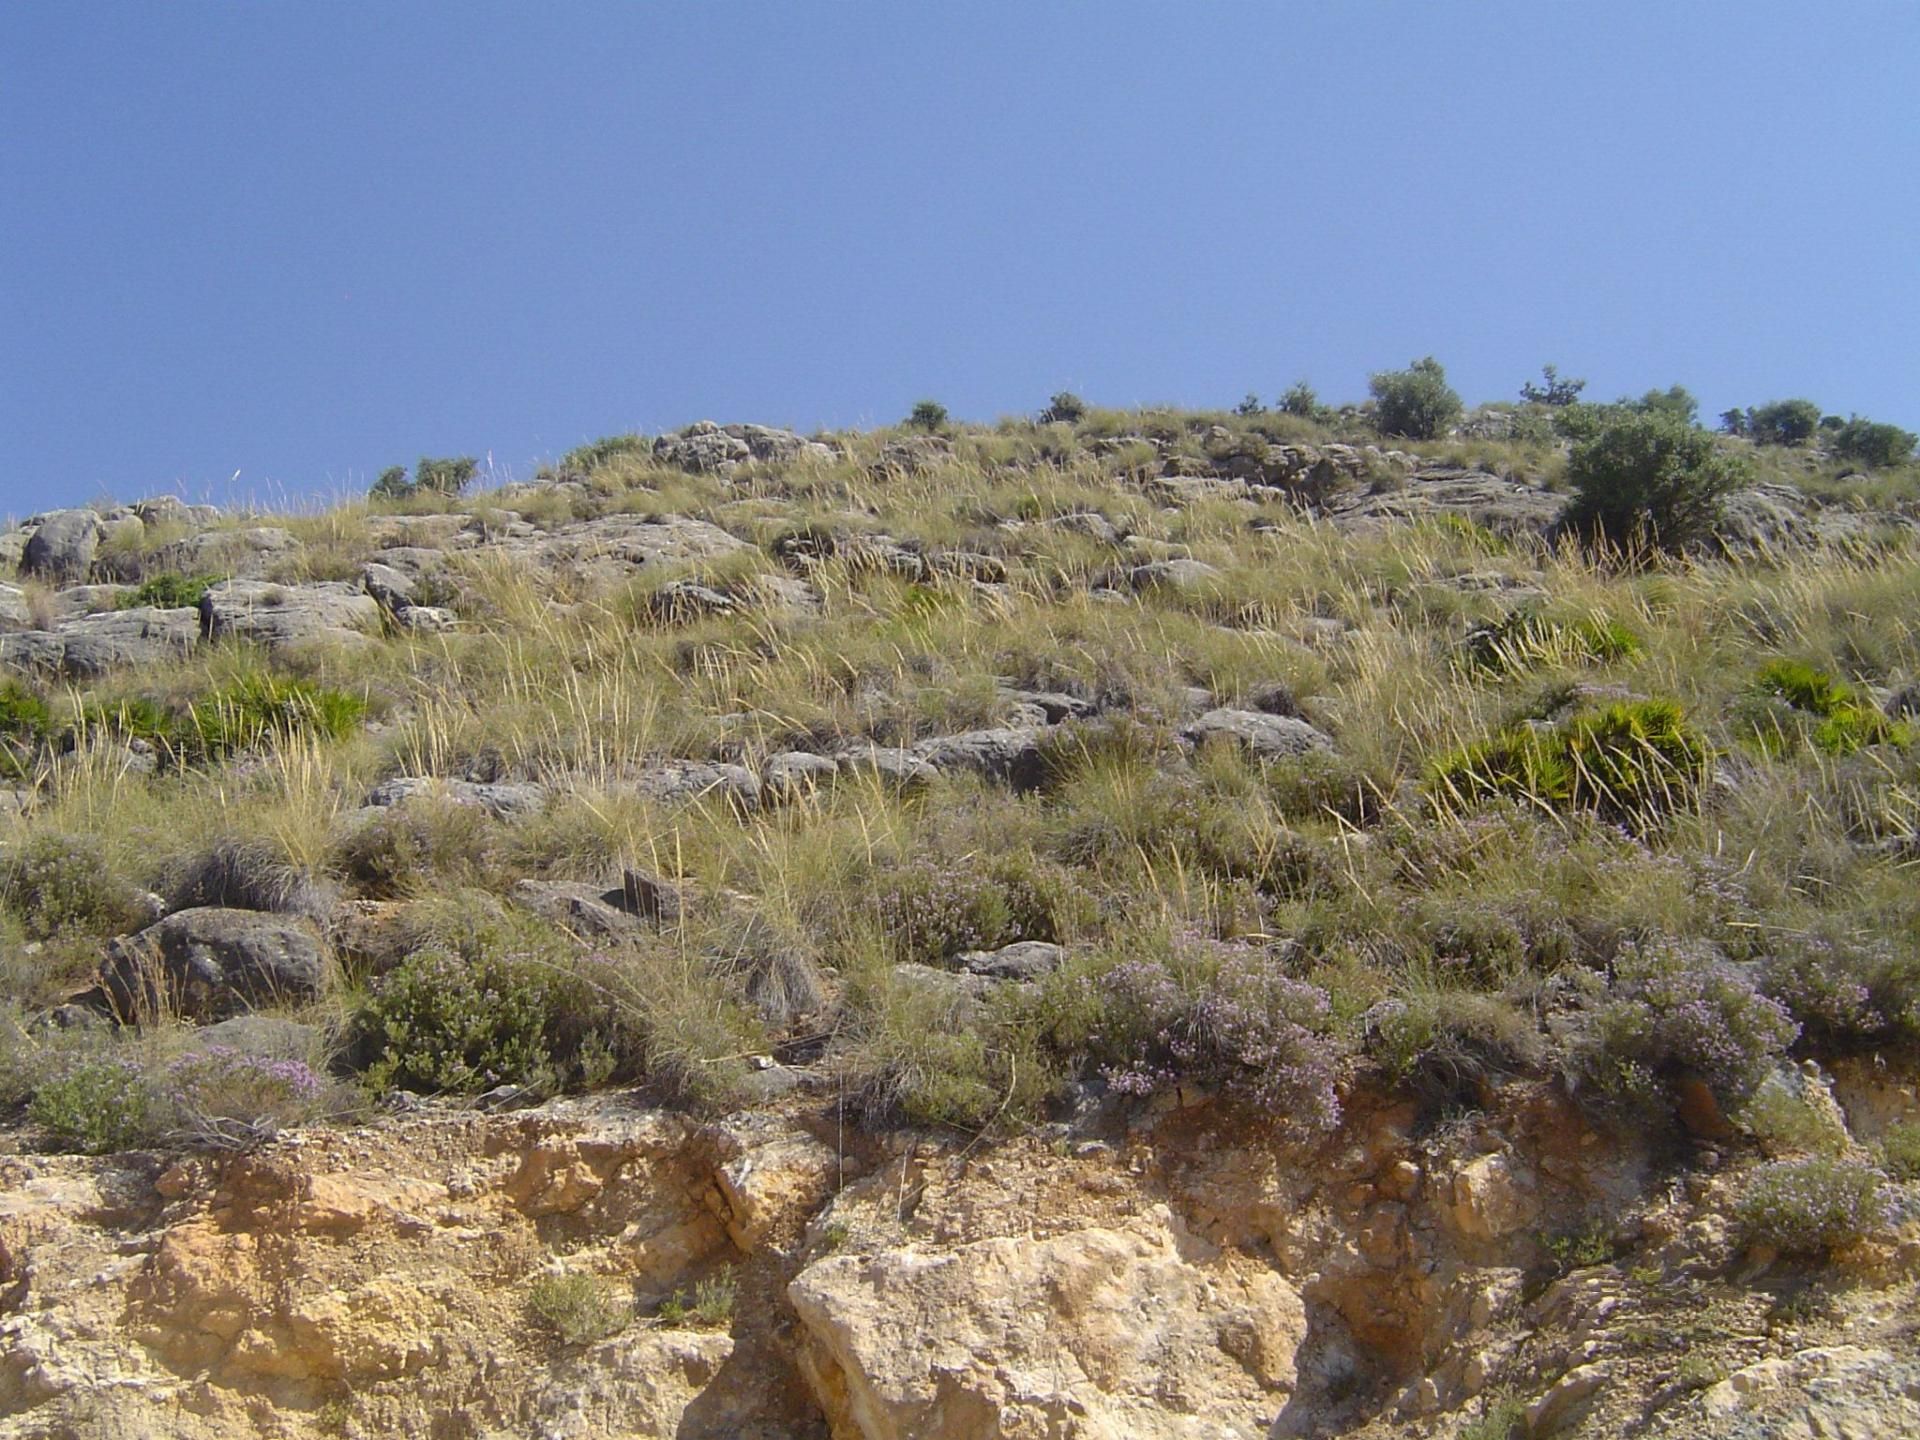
1601,806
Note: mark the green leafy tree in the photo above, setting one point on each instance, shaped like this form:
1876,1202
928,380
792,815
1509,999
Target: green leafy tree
1873,445
1676,401
445,477
1250,406
1300,400
393,484
1649,480
1064,408
1553,390
928,415
1416,403
1783,422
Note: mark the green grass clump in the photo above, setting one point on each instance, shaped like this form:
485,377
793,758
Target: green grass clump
256,709
1634,761
708,1305
1528,639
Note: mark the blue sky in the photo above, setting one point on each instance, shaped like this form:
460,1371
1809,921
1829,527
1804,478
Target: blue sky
302,243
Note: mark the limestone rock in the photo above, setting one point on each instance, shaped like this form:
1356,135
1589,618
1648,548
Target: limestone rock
504,800
1264,736
92,645
208,963
1177,574
14,614
795,773
1007,755
280,616
1506,507
639,1385
62,546
1492,1196
1023,960
685,782
1132,1332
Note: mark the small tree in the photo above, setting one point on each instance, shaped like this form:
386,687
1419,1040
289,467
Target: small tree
1554,391
1649,480
1064,408
928,415
444,477
1416,403
1736,421
1250,406
1873,445
393,484
1676,401
1300,400
1783,422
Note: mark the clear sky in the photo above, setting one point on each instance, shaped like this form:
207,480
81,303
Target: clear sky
305,242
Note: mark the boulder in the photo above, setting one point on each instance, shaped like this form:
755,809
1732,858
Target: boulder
1264,736
1025,960
1506,507
210,963
703,448
90,646
62,547
1178,574
247,551
1010,756
683,782
889,764
280,616
641,1383
1138,1331
1491,1197
504,800
14,614
795,773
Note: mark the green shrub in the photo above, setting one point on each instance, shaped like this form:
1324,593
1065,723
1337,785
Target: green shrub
708,1305
1782,422
25,723
1649,481
171,591
447,476
1872,445
933,907
1900,1150
1633,761
929,415
97,1105
585,459
1250,405
1806,1207
58,884
1847,989
1676,402
1554,390
1064,408
393,484
1416,403
580,1309
441,1021
257,708
1300,400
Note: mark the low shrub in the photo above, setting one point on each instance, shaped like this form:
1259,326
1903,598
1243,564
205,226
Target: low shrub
57,884
26,721
1633,761
231,1099
580,1309
1446,1045
1676,1008
1206,1012
1806,1207
1649,481
934,907
707,1305
1845,989
1782,422
1416,403
1900,1150
1064,408
1824,711
98,1105
170,591
929,415
1875,446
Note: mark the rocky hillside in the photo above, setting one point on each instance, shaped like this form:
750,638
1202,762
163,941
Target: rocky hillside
1151,924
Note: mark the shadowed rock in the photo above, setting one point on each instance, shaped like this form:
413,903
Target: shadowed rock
211,963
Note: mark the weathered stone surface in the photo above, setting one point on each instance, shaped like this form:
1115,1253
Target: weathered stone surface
1828,1392
795,773
681,600
889,764
1023,960
1177,574
14,614
208,963
62,546
287,615
92,645
1132,1331
505,800
685,782
639,1385
247,551
1571,1396
1492,1196
1266,737
1012,757
707,448
1503,506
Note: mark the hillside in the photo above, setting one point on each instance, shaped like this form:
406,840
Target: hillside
1141,923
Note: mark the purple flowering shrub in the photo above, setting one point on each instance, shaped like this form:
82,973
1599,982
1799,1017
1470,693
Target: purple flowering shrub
935,906
1846,989
1677,1008
233,1098
97,1104
1805,1207
1214,1013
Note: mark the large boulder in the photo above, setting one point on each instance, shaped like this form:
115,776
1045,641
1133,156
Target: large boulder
1136,1332
280,616
1265,737
89,646
14,614
210,963
1011,756
63,546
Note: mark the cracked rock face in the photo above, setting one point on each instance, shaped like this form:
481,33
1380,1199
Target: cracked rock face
1133,1332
